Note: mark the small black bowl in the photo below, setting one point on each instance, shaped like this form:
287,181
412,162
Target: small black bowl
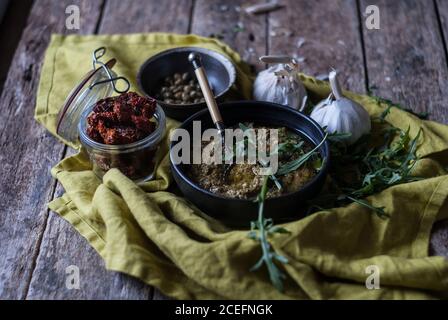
239,212
220,72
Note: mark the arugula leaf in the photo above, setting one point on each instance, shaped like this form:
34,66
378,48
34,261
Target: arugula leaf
260,230
338,136
378,167
297,163
389,105
378,210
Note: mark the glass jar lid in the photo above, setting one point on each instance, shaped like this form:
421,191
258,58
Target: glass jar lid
97,84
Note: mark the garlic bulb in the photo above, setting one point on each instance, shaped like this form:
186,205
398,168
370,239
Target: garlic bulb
280,83
342,114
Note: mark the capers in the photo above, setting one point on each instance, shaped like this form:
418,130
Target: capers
185,97
180,88
167,94
178,95
177,89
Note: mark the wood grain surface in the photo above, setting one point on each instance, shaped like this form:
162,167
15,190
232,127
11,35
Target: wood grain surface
227,21
325,34
62,246
406,60
27,150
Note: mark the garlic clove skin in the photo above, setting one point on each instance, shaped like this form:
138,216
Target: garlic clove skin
342,114
284,90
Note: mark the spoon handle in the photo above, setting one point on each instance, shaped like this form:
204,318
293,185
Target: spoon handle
199,70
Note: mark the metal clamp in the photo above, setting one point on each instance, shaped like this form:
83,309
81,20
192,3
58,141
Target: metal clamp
97,54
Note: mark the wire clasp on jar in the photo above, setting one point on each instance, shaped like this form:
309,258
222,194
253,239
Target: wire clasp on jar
97,54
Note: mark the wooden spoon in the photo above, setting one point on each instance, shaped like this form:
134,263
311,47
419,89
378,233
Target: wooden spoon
196,61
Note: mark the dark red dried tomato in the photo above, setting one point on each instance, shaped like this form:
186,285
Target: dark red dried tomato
121,120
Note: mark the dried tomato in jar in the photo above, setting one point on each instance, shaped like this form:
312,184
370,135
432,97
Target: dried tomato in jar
122,134
121,120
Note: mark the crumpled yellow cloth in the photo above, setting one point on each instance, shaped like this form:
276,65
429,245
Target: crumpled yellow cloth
163,240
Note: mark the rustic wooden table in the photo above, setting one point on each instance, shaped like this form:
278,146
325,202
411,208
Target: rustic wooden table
406,61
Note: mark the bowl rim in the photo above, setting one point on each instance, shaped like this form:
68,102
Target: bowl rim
321,174
224,60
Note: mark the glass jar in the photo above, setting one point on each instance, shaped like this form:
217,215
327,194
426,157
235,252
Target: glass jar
136,160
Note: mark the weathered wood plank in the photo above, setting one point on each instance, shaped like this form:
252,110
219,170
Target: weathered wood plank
27,151
14,21
226,20
62,246
439,239
146,16
406,62
442,10
325,33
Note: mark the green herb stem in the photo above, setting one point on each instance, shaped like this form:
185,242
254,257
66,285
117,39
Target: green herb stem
264,228
297,163
263,238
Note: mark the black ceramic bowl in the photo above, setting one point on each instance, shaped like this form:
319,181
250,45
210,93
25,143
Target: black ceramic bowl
239,212
220,71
